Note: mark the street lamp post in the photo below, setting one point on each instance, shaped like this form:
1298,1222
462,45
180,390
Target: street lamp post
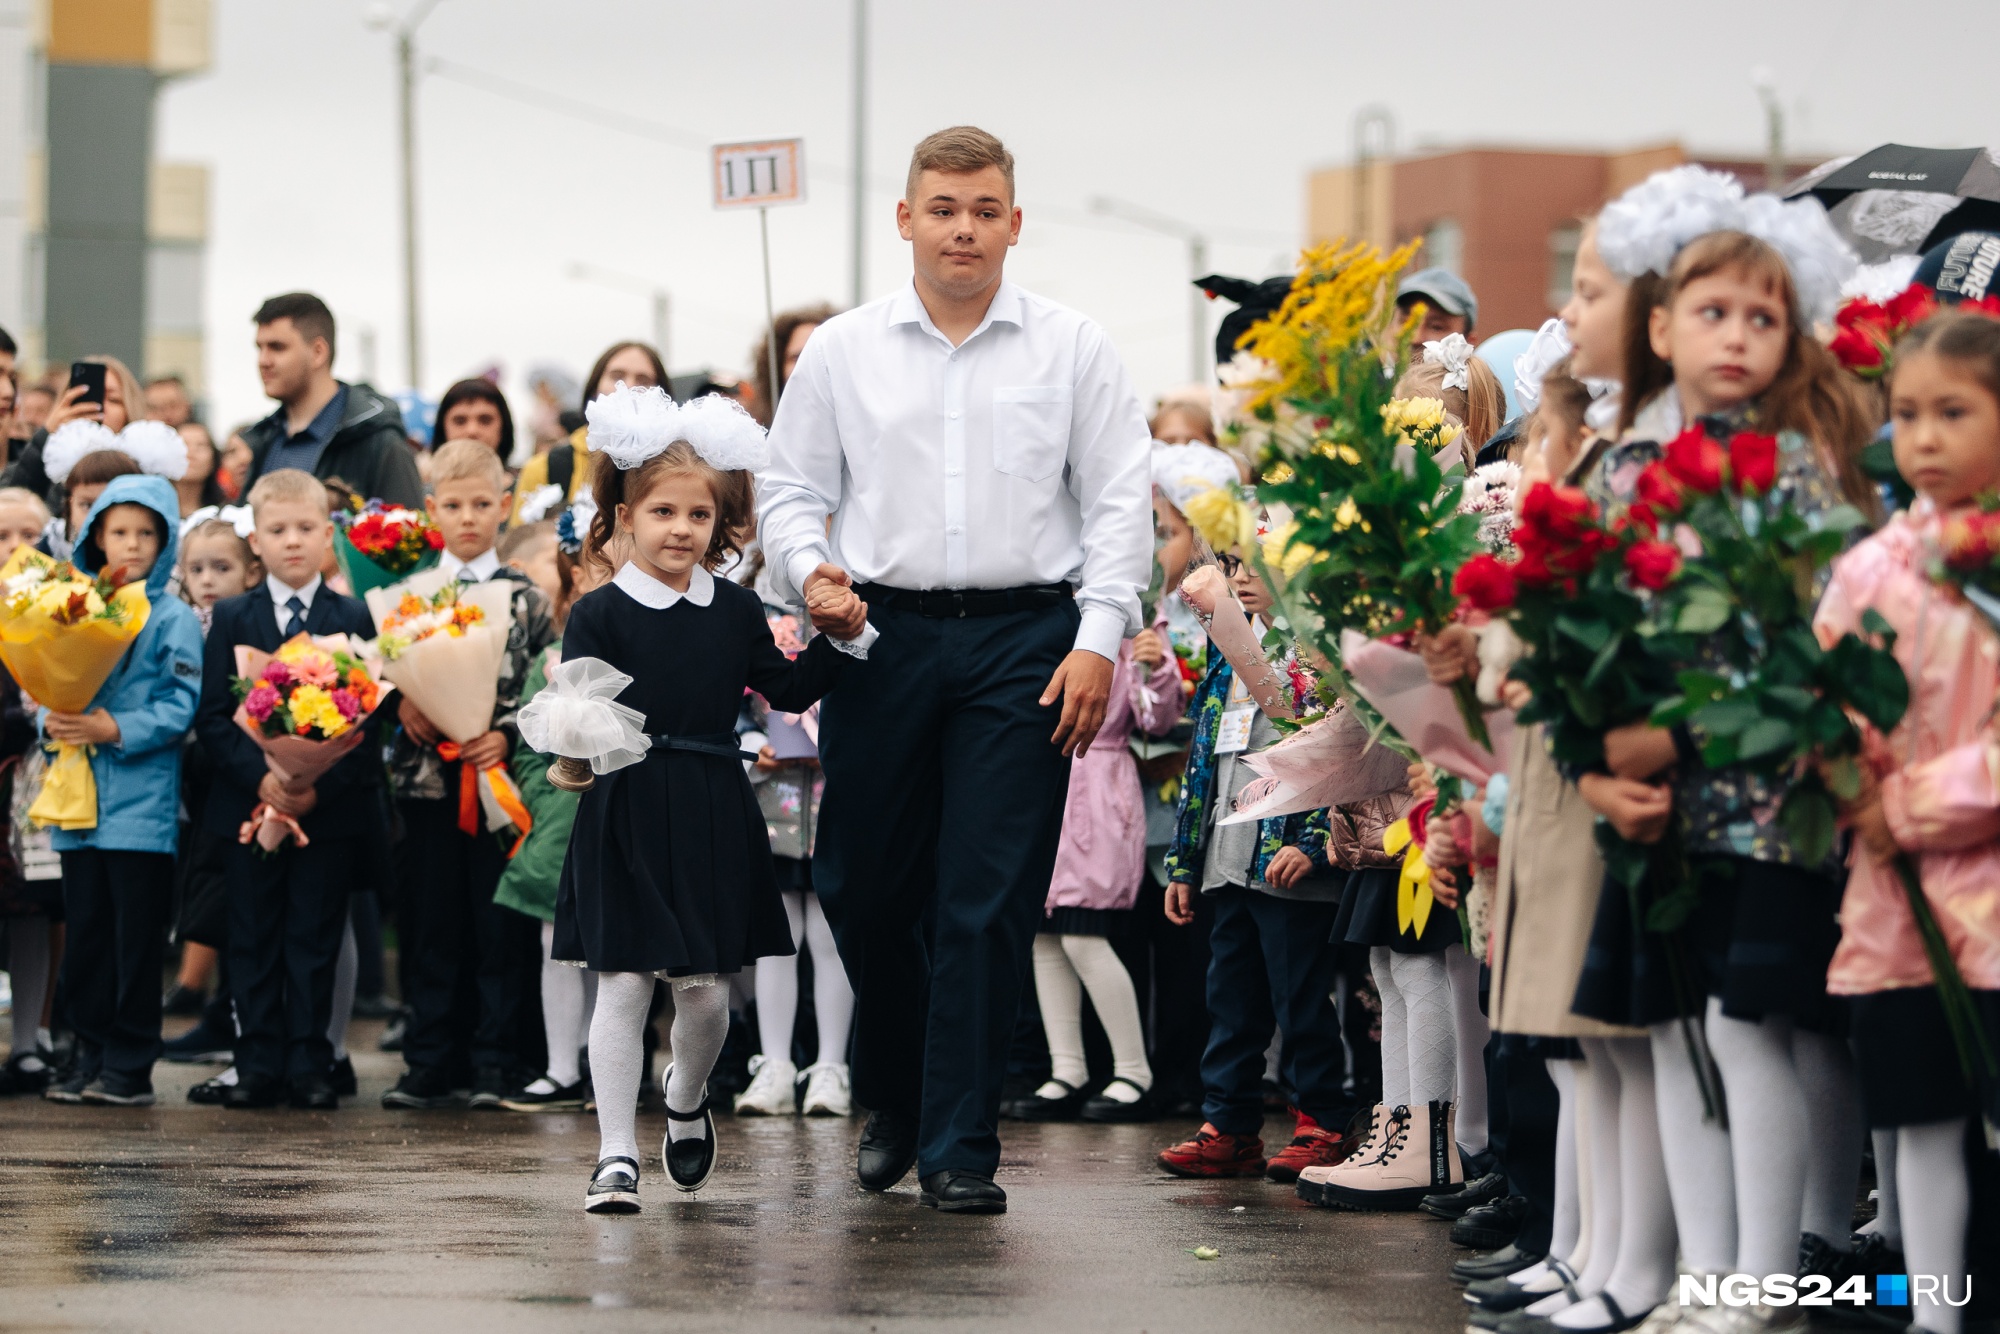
381,17
1197,244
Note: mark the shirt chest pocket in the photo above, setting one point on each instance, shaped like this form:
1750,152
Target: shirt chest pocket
1031,430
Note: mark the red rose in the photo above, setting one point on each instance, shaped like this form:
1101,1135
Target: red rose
1859,310
1561,512
1753,461
1858,347
1652,564
1989,306
434,539
1485,582
1658,491
1695,461
1912,305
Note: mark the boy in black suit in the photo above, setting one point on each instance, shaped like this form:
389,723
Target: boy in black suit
287,910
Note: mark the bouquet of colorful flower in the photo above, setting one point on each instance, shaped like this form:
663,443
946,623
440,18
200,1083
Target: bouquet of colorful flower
380,544
306,706
62,633
442,643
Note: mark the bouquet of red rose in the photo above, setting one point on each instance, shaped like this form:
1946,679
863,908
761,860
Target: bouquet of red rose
380,544
1968,556
306,706
1866,332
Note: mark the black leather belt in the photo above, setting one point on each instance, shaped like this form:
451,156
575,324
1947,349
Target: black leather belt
718,743
957,603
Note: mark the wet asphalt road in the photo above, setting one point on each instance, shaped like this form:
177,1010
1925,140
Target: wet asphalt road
191,1218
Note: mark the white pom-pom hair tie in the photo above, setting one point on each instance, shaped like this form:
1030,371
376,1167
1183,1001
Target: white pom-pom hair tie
634,425
156,447
70,442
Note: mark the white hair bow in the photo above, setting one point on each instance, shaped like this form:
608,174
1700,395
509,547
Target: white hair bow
1453,353
633,425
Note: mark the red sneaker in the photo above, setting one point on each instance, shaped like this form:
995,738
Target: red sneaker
1313,1145
1213,1154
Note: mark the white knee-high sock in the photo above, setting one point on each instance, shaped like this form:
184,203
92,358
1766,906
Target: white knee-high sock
1395,1028
833,996
777,986
701,1026
1598,1083
616,1054
1699,1173
564,1021
28,970
1469,1034
1767,1134
1426,992
1563,1234
1060,995
346,969
1645,1266
1116,1003
1888,1219
1930,1166
1833,1117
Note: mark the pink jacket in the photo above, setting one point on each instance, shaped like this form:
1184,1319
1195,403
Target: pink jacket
1940,790
1102,857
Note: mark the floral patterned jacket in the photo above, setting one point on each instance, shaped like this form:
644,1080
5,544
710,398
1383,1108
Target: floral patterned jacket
1731,811
1307,830
415,771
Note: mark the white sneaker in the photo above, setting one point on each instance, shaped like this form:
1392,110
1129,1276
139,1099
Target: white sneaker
773,1089
827,1092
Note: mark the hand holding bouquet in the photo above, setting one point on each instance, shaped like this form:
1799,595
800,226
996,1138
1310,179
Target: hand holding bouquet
306,706
380,544
62,633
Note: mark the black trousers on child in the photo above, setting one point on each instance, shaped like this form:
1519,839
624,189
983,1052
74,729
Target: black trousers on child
942,792
474,969
1272,962
287,915
117,904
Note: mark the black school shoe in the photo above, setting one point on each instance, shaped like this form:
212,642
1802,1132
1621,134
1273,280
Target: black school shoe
542,1095
113,1088
422,1088
342,1075
1035,1107
17,1076
489,1085
210,1092
888,1149
954,1192
1110,1111
614,1187
689,1161
69,1087
1491,1225
1509,1259
1457,1204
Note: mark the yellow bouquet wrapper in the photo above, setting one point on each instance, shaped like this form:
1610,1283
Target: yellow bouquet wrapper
61,640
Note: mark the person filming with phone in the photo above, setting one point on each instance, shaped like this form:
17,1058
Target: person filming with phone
100,389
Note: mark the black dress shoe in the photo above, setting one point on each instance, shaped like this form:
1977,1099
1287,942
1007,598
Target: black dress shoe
251,1091
1110,1111
209,1092
955,1192
343,1077
1509,1259
690,1160
1491,1225
888,1149
314,1093
1456,1204
1035,1107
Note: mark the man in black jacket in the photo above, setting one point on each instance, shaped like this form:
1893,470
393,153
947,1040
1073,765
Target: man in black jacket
323,426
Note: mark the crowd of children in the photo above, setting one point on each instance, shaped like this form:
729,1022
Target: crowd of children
1530,1078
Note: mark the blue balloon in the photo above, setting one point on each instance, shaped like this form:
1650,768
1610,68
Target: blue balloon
1499,352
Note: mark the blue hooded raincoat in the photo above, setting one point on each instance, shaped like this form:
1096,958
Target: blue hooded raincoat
152,694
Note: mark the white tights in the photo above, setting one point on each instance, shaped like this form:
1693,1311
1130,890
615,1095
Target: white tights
1061,962
1699,1172
28,971
778,986
1769,1136
1930,1166
617,1053
567,996
1419,1042
1833,1119
1568,1223
1632,1221
1470,1032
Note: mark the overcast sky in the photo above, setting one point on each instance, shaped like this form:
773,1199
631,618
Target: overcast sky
1207,112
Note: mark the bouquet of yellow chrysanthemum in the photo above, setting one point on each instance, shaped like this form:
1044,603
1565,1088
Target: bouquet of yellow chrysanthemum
306,706
62,633
1365,530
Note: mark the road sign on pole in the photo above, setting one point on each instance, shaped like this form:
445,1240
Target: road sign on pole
758,175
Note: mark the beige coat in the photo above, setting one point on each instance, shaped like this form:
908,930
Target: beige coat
1545,899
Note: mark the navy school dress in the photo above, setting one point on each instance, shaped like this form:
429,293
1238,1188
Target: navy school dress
669,865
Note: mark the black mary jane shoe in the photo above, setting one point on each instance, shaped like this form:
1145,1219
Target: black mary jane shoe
955,1192
888,1149
614,1187
1110,1111
1035,1107
252,1092
314,1093
689,1161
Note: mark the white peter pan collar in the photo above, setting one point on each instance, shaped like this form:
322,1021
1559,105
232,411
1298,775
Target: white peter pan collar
647,591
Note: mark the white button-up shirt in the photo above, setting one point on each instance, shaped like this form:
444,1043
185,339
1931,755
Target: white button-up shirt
282,592
1018,457
478,570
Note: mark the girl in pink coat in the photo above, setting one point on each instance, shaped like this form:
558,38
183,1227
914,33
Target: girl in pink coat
1935,799
1099,867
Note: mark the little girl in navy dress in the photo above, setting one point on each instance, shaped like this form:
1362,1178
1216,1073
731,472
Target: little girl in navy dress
669,869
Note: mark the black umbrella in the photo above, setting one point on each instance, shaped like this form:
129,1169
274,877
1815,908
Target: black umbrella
1254,301
1898,200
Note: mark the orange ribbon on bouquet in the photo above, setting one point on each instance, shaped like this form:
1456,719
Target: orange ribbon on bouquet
499,782
267,813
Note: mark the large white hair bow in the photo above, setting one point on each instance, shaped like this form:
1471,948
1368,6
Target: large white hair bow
1548,347
156,447
1643,229
633,425
1454,353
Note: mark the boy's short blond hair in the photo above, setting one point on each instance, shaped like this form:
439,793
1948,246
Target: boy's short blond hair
525,539
962,149
21,495
288,486
457,460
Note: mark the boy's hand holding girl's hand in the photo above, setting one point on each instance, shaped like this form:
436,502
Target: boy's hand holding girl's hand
294,802
96,728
